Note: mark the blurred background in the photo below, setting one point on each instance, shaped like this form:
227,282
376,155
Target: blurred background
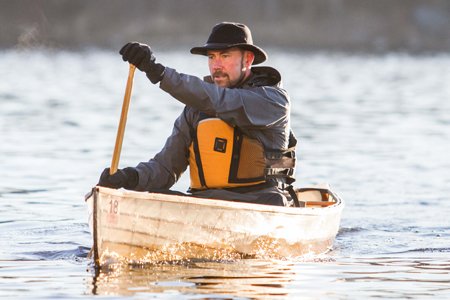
352,25
369,86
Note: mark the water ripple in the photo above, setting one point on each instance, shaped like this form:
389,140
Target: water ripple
72,254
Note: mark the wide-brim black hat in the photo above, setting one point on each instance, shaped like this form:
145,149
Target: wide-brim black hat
227,35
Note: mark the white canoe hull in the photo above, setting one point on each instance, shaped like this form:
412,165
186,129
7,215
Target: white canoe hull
137,227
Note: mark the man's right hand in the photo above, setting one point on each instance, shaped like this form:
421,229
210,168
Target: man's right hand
141,55
124,178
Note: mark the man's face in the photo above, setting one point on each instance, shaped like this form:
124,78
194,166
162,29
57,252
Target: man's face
228,66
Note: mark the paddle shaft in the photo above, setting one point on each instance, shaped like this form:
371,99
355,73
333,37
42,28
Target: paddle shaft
123,122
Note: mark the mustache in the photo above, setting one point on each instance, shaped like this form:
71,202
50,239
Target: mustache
219,73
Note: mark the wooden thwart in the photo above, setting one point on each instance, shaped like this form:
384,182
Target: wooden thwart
319,203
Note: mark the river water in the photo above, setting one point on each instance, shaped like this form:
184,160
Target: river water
376,128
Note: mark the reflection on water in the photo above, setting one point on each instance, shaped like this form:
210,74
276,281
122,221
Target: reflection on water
246,278
309,278
377,128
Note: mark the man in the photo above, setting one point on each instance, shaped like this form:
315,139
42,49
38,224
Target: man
234,132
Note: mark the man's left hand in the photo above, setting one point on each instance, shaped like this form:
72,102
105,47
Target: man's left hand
124,178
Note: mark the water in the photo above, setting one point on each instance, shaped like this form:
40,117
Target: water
377,128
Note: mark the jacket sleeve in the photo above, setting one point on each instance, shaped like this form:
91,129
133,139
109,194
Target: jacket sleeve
264,106
162,171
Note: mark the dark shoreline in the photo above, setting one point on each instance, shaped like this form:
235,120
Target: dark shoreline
307,25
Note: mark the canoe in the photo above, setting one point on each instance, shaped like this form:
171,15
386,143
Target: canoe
141,227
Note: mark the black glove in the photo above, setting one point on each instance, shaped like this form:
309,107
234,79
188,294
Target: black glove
142,57
127,178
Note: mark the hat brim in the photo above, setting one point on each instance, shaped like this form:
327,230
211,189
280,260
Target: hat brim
260,54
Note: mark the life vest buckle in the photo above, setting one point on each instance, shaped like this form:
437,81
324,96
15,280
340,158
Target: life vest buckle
274,155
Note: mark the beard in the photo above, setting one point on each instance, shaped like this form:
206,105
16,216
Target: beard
221,79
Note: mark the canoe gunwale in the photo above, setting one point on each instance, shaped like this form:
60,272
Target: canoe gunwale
95,226
223,204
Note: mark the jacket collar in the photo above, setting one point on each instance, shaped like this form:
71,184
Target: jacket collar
261,76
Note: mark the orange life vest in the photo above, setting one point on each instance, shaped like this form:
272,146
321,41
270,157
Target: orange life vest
221,156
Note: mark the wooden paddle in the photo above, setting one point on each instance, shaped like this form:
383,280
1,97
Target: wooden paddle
123,121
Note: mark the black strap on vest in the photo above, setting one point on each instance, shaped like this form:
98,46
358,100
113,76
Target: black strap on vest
198,159
238,138
294,197
282,163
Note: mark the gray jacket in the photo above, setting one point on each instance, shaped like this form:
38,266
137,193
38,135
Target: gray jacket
260,108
